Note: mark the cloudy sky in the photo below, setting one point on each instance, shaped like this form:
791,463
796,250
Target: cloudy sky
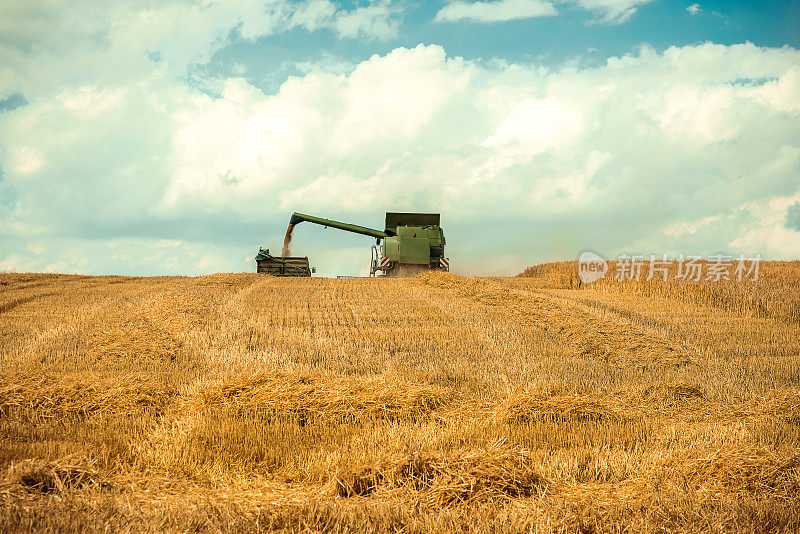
176,137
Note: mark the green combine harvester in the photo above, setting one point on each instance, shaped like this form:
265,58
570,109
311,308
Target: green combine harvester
409,242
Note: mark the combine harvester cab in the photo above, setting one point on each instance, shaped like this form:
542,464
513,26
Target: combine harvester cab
410,242
281,266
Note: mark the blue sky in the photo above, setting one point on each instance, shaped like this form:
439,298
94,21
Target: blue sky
177,137
577,35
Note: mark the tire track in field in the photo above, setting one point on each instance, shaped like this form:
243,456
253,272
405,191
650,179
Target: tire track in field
648,329
43,289
10,305
595,304
601,309
587,331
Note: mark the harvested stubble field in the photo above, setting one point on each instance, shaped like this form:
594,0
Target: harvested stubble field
434,403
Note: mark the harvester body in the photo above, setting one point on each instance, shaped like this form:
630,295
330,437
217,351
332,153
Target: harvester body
409,241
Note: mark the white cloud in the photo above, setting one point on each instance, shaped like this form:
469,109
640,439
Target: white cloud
698,115
111,43
656,150
495,11
24,160
536,125
379,21
683,227
612,11
769,232
91,101
783,93
694,9
608,11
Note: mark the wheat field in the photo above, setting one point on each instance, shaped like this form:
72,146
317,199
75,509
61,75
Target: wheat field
243,402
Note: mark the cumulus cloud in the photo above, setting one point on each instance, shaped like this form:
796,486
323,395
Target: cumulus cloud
607,11
376,21
121,42
793,217
692,150
612,11
379,21
768,228
689,227
694,9
495,11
